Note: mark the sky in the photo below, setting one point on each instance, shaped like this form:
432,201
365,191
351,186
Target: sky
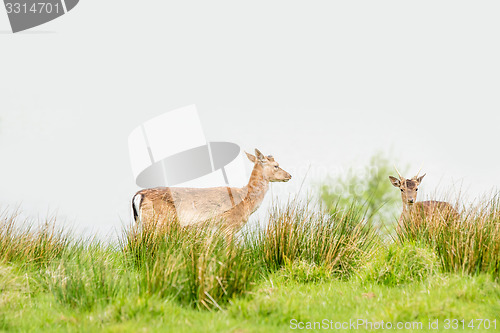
320,85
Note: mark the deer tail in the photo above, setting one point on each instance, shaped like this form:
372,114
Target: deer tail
136,206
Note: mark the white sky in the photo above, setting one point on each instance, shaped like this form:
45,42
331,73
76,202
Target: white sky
315,84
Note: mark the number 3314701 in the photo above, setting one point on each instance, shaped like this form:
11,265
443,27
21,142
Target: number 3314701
35,8
472,324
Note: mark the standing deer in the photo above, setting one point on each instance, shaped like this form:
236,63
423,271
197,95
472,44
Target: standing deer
418,211
193,206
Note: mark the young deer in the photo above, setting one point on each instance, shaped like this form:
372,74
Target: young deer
192,206
417,211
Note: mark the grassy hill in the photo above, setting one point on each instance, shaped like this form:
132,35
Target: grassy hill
306,267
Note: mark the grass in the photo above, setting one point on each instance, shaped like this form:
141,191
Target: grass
303,266
270,307
194,266
402,264
467,244
20,243
339,241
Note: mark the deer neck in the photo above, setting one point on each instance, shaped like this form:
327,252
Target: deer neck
257,188
407,208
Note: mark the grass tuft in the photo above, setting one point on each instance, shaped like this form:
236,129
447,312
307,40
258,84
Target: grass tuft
339,241
26,244
468,244
401,264
86,277
194,266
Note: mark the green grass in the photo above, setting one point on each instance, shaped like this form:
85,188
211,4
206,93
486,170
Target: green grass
339,241
269,307
305,265
468,244
400,264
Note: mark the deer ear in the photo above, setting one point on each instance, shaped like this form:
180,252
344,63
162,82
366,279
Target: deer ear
395,182
260,156
419,179
251,157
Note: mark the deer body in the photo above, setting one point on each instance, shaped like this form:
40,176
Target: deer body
427,210
192,206
419,211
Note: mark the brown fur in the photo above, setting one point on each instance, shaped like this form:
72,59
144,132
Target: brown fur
420,211
194,206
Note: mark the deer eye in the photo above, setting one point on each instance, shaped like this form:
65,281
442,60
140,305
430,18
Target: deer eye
416,189
276,167
401,190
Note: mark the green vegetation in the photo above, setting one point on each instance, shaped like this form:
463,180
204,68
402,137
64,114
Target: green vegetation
401,264
368,189
466,244
339,242
192,266
304,265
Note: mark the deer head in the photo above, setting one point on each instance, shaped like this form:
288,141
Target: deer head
270,168
408,187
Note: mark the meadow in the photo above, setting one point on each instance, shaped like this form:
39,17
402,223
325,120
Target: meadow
305,267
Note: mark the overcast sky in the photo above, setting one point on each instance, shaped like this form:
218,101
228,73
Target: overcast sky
319,85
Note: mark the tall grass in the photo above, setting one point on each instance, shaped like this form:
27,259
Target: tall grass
26,243
467,244
339,240
51,279
194,266
88,276
197,267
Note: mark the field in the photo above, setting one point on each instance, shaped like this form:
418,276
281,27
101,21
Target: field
330,268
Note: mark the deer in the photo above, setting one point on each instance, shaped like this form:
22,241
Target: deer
418,211
195,206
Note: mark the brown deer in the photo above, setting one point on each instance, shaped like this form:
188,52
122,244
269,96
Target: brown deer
193,206
419,211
